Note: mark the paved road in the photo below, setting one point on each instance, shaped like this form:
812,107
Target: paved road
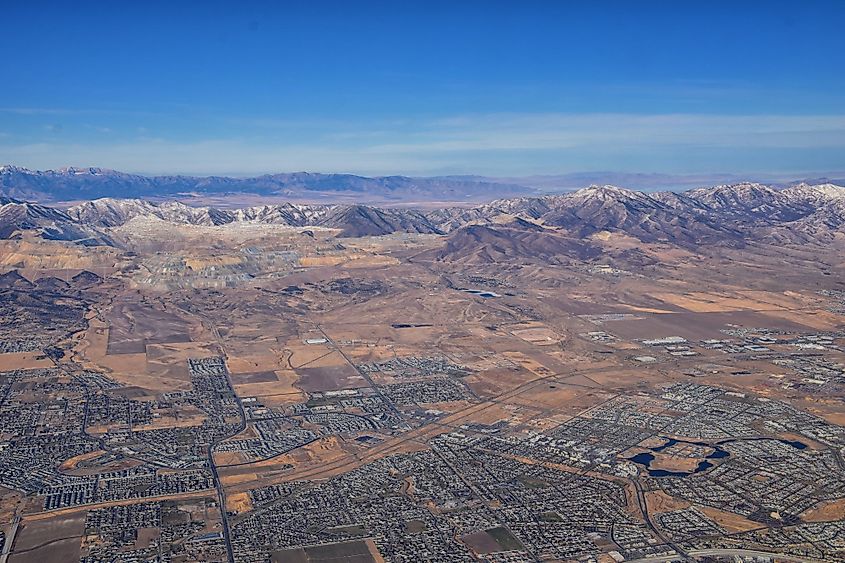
641,500
363,374
221,490
10,539
726,552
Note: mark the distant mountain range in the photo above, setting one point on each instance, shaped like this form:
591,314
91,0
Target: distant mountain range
79,184
569,223
656,182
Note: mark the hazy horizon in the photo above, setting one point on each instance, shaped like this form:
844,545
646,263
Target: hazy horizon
646,181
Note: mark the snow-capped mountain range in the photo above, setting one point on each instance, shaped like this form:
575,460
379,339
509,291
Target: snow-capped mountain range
721,214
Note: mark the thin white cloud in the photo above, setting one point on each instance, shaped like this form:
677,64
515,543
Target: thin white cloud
37,111
98,128
54,111
490,144
549,131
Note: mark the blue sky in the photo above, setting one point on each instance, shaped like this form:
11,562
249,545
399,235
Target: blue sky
495,88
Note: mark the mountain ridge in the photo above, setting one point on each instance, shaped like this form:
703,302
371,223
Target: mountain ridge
73,183
78,183
725,214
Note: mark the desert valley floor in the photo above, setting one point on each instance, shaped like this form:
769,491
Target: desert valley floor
271,393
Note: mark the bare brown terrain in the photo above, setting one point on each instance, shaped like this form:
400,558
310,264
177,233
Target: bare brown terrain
384,386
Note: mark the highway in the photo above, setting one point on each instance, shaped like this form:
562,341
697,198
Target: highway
221,490
726,553
10,539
